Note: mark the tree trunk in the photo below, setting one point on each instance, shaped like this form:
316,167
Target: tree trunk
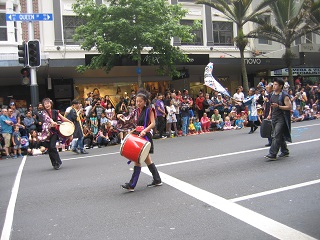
289,63
140,84
244,73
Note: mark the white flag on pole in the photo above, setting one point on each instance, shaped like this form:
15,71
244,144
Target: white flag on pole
211,82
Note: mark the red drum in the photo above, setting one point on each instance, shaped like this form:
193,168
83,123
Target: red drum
135,148
66,129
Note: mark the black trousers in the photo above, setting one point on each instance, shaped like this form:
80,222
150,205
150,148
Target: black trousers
52,150
278,142
161,125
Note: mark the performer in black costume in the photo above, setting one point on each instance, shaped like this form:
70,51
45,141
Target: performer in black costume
281,121
50,133
144,126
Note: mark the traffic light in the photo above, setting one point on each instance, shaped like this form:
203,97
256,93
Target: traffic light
23,54
25,72
34,59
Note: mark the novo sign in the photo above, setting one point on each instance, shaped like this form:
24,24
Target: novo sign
253,61
297,71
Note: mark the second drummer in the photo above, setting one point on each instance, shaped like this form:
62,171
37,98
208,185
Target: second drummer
144,117
50,118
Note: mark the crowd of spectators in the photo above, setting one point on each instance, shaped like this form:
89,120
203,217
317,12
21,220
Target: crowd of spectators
177,114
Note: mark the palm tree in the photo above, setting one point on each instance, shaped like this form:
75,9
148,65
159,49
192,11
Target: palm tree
315,15
293,20
239,12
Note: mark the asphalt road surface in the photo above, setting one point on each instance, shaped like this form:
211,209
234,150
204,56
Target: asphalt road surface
216,186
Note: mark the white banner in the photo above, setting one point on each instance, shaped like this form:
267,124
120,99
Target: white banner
211,82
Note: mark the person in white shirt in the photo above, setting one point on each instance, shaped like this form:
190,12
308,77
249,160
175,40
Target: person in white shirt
238,97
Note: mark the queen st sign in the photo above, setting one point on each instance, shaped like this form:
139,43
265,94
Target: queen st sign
27,17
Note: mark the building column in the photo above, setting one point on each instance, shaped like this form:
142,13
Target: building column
209,30
57,20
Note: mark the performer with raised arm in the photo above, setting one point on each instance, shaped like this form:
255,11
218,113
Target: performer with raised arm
144,117
50,132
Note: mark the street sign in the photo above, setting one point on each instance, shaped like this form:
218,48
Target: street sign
27,17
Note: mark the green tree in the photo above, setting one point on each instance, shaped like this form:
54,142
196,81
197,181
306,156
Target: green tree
293,19
128,28
240,12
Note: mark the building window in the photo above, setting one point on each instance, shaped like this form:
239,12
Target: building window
3,25
198,38
70,23
223,33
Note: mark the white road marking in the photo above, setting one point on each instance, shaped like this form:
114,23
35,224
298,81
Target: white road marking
275,191
7,226
230,154
310,125
265,224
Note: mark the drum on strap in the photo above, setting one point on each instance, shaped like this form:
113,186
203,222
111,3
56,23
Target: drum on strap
66,129
135,148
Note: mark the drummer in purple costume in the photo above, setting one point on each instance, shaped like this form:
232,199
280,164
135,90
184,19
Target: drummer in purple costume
50,118
139,114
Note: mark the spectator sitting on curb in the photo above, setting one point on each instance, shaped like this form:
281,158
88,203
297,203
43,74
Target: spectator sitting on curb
216,120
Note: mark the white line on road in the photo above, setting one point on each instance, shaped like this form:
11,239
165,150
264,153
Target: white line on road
7,226
310,125
275,191
230,154
265,224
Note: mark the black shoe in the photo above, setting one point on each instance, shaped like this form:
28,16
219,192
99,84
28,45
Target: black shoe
250,132
75,151
283,155
126,186
154,184
255,128
57,167
99,146
271,157
267,145
84,152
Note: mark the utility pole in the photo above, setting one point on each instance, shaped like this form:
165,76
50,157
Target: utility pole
34,89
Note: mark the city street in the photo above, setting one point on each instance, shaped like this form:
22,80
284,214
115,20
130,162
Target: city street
216,185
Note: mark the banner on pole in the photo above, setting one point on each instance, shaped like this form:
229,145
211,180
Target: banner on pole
211,82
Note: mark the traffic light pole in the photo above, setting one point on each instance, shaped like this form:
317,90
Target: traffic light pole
34,90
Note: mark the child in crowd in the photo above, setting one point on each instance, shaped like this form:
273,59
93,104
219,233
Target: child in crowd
197,126
103,119
239,123
205,123
16,138
260,113
192,129
244,116
227,124
296,117
171,119
94,123
307,113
